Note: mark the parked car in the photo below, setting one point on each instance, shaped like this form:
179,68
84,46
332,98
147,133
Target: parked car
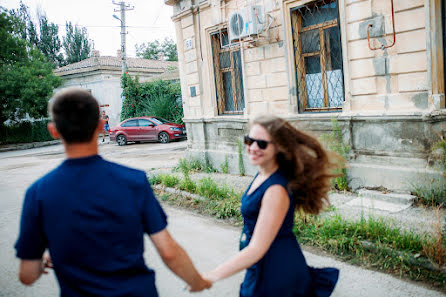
147,129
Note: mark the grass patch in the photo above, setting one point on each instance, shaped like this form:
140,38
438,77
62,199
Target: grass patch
166,179
194,165
220,201
373,243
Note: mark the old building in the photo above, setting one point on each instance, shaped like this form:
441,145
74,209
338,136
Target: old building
377,66
102,76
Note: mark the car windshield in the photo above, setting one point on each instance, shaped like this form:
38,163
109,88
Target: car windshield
160,121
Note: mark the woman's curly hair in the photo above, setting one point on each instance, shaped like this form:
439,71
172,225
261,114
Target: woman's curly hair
303,160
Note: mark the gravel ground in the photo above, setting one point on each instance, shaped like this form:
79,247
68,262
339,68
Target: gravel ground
416,219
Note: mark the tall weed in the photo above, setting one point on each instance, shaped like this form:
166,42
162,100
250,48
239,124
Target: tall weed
432,190
241,165
335,143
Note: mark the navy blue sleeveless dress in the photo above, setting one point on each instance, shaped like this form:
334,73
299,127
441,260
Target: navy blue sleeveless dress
283,271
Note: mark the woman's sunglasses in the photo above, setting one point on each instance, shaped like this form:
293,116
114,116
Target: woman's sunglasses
262,144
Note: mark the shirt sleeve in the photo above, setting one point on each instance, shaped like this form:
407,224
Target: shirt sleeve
31,242
154,217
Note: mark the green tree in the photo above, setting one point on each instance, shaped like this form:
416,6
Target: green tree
44,35
25,27
170,49
49,42
150,51
26,77
76,44
155,50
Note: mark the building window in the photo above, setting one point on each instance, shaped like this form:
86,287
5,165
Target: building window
318,56
228,74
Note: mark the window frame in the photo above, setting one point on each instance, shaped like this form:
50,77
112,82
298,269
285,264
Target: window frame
149,125
220,95
133,120
295,30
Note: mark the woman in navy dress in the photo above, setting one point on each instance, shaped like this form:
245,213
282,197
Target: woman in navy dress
294,173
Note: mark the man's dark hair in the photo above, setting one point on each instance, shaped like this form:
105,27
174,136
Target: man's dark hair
75,113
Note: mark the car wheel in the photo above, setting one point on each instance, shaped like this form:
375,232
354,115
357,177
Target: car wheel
163,137
121,139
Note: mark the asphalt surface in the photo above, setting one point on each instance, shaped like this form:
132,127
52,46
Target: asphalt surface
208,241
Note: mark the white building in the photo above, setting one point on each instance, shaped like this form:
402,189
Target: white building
102,76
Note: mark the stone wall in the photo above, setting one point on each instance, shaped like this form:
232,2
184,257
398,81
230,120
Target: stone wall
390,152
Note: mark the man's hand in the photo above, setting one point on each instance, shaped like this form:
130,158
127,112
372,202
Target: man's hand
201,285
31,270
178,261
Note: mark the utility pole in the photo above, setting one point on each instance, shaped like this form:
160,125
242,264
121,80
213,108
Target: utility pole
122,8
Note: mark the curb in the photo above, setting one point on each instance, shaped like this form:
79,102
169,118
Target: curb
25,146
30,145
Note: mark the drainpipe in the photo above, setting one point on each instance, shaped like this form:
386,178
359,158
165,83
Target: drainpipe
245,89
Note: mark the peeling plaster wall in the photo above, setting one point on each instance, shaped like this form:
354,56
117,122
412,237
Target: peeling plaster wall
104,86
393,80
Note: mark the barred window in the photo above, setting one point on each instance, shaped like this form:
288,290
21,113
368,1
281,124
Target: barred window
228,74
318,56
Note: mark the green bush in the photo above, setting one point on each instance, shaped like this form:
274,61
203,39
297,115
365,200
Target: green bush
207,187
169,180
159,98
24,132
188,185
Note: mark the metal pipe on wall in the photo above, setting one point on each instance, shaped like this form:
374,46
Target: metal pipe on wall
393,32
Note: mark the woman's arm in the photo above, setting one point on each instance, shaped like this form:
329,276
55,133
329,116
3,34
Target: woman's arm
275,204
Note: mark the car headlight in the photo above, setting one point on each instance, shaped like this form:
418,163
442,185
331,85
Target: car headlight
175,129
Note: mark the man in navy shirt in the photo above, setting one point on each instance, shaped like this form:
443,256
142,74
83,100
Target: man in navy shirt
94,234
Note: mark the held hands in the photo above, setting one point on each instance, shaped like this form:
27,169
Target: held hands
200,285
46,263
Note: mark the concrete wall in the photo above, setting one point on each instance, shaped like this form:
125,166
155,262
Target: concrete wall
386,151
105,87
394,101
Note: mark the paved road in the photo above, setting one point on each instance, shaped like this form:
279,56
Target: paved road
208,241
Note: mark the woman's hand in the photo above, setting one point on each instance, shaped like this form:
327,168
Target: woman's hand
211,276
46,263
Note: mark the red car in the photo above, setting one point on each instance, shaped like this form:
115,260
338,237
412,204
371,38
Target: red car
147,129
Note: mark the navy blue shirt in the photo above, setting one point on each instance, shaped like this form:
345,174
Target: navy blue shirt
92,215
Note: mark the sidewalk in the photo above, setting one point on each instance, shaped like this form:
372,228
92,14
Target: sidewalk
30,145
25,146
416,219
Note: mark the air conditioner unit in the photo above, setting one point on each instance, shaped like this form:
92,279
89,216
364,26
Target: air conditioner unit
245,22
